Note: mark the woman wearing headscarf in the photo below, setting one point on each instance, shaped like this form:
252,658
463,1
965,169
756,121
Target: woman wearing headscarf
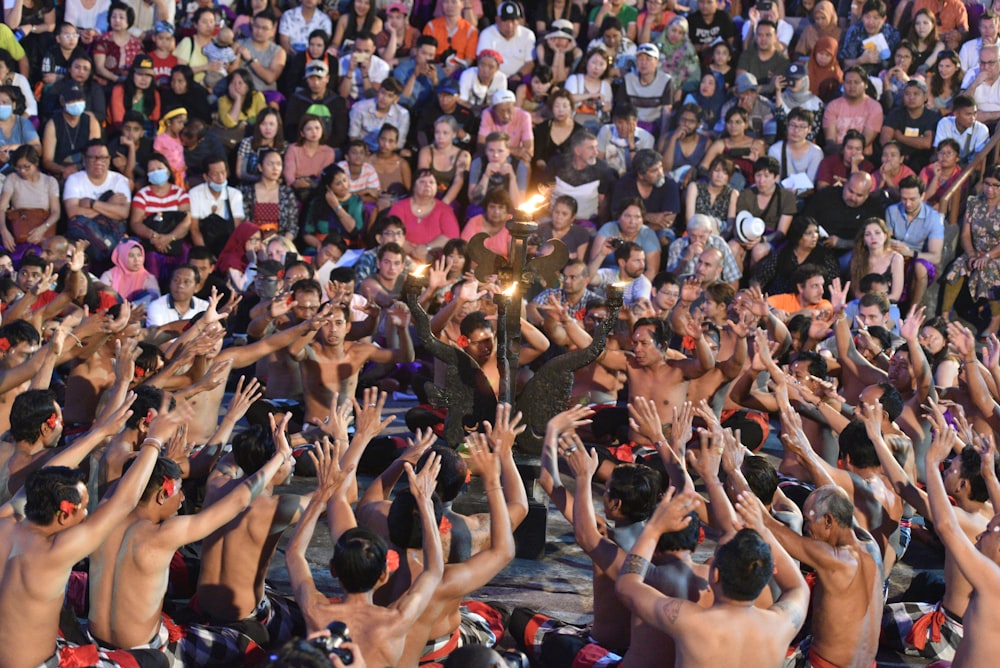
238,259
825,75
677,55
823,23
128,277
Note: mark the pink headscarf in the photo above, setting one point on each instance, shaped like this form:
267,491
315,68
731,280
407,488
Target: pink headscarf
123,281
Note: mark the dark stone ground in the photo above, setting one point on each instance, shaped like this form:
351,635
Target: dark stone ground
559,583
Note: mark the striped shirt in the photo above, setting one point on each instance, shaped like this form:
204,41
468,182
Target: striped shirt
148,201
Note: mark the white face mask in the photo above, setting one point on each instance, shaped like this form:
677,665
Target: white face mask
6,111
76,108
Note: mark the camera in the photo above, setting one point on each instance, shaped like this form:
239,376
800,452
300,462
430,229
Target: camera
332,644
616,243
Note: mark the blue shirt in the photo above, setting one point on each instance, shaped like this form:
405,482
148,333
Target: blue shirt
929,224
423,88
851,47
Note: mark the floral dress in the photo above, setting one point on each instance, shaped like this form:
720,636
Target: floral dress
984,226
718,210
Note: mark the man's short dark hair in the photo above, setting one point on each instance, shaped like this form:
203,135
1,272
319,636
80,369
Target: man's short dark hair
767,22
638,487
806,272
645,159
868,282
624,109
269,15
164,469
308,285
147,398
28,413
343,275
817,364
963,101
579,137
891,400
451,478
686,539
664,278
252,448
20,331
201,253
404,522
625,250
970,469
761,477
874,6
912,182
744,564
875,299
32,260
359,559
660,336
768,163
800,114
855,446
391,247
427,40
46,488
190,267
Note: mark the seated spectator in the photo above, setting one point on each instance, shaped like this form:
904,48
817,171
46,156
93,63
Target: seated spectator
239,257
306,159
834,170
795,94
97,202
591,90
621,11
449,162
128,277
478,84
714,197
164,60
362,178
368,116
398,40
685,252
393,170
825,75
658,193
457,38
945,80
338,212
504,117
796,154
912,125
16,129
822,23
840,211
420,75
737,144
361,71
295,69
627,227
563,226
164,236
768,200
270,203
963,127
618,142
688,144
497,169
115,50
650,90
941,174
58,56
766,11
180,303
584,177
950,15
267,133
918,235
852,50
873,254
619,48
764,56
807,297
895,78
679,59
262,57
136,93
853,111
891,172
9,76
497,210
67,134
513,41
558,51
709,24
319,98
446,104
168,141
552,135
241,103
29,202
190,50
630,267
429,222
183,92
216,207
298,23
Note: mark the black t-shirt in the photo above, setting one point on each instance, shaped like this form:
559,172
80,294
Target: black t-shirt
561,166
665,199
828,208
702,33
899,119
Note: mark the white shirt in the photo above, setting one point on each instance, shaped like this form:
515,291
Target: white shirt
378,71
987,96
203,199
79,185
471,90
162,312
968,55
516,51
976,136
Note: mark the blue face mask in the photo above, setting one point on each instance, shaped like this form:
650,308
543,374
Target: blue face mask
6,111
218,187
76,108
158,177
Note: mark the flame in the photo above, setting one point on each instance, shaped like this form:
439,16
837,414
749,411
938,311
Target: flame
419,270
534,203
621,285
509,292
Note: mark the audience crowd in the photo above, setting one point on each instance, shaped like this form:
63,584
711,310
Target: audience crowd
292,204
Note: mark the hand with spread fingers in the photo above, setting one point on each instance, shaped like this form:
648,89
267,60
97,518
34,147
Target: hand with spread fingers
644,420
423,484
329,476
570,419
368,420
673,511
482,460
706,460
752,512
582,463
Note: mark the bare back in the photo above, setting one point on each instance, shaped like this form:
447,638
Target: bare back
847,607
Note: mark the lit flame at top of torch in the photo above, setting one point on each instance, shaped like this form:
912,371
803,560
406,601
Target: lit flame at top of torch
509,292
621,285
419,270
534,203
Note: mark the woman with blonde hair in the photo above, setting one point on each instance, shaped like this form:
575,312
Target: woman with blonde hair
874,255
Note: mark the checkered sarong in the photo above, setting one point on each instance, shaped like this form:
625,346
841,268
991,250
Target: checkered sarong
281,617
556,644
921,629
481,624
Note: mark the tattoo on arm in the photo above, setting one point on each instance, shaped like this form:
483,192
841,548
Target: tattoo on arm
635,564
672,609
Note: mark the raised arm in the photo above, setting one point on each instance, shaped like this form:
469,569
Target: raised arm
606,555
501,438
909,329
549,478
422,486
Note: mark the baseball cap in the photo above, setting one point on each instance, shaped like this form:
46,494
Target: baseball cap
396,8
508,11
560,28
649,50
745,82
502,96
490,53
163,26
795,71
142,62
917,83
72,93
749,227
449,86
316,68
269,268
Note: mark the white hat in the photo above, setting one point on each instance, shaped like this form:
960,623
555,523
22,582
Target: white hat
749,227
502,96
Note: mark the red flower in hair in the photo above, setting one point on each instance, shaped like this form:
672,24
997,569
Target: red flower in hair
447,297
67,507
579,314
463,341
4,344
168,486
281,273
392,561
140,372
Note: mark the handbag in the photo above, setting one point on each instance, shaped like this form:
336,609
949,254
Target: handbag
23,221
164,222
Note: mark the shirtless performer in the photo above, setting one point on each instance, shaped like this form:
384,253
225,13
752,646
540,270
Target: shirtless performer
965,480
652,376
384,286
847,598
630,496
331,364
129,571
359,563
979,562
732,631
56,534
909,370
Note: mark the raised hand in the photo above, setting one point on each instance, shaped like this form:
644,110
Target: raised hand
733,452
690,289
437,276
110,421
481,460
281,304
962,341
987,449
77,255
329,476
751,511
838,295
423,484
644,420
211,313
399,314
991,352
909,329
758,302
673,511
582,462
245,396
177,448
166,421
279,432
336,422
415,449
217,374
706,459
943,445
680,428
570,419
502,436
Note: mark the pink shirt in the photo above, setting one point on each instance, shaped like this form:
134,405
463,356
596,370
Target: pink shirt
440,221
499,243
297,163
519,129
843,116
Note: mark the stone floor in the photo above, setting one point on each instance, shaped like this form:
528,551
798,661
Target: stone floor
560,582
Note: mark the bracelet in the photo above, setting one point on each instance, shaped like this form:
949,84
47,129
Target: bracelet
78,341
155,441
493,489
635,564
